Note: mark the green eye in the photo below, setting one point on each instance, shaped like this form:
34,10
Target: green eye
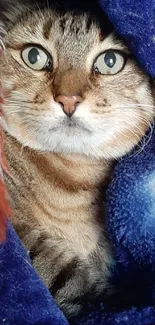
109,62
36,58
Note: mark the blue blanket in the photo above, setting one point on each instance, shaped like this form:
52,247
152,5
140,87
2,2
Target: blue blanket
130,217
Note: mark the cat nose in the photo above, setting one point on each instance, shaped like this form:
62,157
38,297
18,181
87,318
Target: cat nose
69,103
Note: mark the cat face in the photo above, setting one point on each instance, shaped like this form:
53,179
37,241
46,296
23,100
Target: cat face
72,87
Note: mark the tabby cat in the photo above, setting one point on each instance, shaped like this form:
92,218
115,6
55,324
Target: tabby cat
75,101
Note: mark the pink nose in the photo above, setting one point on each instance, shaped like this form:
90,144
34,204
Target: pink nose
68,103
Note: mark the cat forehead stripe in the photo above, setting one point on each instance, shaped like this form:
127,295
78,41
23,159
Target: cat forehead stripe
73,25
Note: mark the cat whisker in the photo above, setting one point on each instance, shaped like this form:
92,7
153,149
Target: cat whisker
12,112
142,139
147,138
28,123
18,102
135,105
142,143
26,138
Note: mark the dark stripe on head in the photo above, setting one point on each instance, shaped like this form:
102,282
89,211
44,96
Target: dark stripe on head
62,23
88,23
47,29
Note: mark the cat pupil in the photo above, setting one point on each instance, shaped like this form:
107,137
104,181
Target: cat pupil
110,59
33,56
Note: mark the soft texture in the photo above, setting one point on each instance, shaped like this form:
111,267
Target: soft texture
130,218
131,225
134,20
24,300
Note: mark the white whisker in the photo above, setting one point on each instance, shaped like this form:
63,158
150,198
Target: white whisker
29,135
134,105
142,143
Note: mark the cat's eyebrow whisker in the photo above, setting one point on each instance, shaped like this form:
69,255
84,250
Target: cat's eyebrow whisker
48,6
40,12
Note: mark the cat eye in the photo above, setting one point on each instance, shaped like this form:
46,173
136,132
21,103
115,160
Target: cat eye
36,58
109,62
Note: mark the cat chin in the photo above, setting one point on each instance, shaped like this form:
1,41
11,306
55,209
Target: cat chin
83,142
84,145
76,147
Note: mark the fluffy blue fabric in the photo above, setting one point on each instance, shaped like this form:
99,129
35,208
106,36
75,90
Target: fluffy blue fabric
134,20
24,300
130,215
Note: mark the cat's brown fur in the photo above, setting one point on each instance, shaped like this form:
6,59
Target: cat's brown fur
59,164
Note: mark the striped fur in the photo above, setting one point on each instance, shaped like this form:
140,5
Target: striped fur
59,216
59,165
